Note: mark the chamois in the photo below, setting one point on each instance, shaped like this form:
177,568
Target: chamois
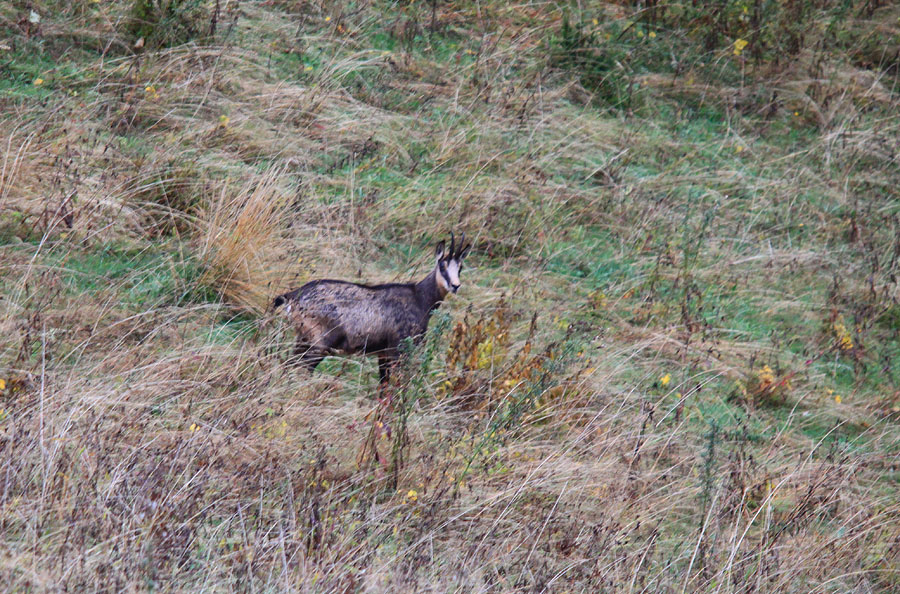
333,316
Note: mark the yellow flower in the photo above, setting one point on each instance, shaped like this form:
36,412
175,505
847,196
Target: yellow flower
664,380
194,427
328,18
739,45
223,121
651,34
796,113
845,341
412,495
2,384
837,398
739,149
596,22
308,68
38,82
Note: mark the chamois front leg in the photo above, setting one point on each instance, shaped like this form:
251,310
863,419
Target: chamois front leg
386,360
306,355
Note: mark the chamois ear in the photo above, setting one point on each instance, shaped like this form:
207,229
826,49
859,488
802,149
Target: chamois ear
439,250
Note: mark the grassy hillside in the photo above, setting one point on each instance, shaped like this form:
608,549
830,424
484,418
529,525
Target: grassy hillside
673,366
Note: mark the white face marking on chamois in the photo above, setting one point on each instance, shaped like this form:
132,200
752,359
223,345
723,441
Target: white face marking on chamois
453,273
451,267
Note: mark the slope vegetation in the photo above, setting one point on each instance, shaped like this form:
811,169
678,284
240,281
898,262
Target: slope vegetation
673,366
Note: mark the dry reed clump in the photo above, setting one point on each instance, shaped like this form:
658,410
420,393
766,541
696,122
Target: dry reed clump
241,247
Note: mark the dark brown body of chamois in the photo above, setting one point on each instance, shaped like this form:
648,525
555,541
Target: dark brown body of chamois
333,316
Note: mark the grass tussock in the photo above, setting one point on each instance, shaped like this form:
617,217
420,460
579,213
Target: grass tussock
242,248
673,366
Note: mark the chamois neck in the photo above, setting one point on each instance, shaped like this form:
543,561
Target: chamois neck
430,291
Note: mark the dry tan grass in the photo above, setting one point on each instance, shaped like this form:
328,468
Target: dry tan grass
152,438
242,248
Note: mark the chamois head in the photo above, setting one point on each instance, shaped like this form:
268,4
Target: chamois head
449,263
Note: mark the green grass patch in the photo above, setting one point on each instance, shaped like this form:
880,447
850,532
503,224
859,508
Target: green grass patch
139,276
